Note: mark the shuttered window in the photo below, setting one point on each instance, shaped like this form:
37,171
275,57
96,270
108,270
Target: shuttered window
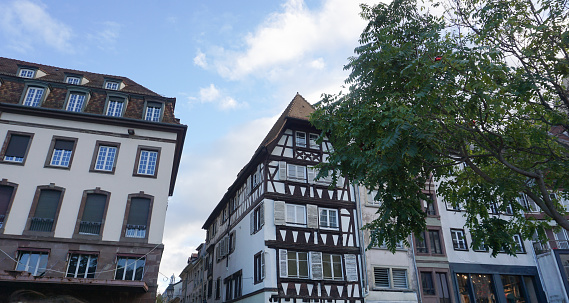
332,266
46,209
390,278
329,218
279,215
61,154
399,278
297,264
296,214
259,266
17,148
257,218
93,213
5,197
137,217
381,276
296,172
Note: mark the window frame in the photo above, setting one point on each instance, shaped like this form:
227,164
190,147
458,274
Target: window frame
80,255
432,201
98,144
390,278
520,248
4,182
109,82
259,267
78,92
327,210
297,262
427,241
139,151
127,212
333,278
76,234
22,70
289,167
114,97
35,85
39,189
9,135
69,77
49,158
455,233
128,258
296,139
147,105
296,206
31,251
314,146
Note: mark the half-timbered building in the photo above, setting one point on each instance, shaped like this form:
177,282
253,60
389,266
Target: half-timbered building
278,235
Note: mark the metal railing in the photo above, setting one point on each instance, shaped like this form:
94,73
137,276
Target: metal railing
541,248
89,228
41,224
135,231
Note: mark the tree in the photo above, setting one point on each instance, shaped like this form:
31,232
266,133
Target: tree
476,98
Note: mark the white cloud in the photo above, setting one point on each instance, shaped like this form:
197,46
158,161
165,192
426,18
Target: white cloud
211,94
26,24
296,34
106,36
200,59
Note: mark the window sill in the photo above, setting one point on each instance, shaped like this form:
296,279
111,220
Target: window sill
460,249
108,172
145,176
58,167
13,163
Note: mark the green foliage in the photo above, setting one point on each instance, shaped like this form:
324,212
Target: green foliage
470,98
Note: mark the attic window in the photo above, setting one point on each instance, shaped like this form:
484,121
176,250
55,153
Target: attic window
114,85
27,73
73,80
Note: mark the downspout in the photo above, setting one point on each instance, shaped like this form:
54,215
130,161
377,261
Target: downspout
364,279
416,270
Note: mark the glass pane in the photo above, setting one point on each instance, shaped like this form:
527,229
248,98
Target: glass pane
323,218
43,264
435,242
442,285
129,271
300,215
427,283
83,259
483,288
292,269
120,268
33,264
302,265
327,266
530,289
92,267
463,288
290,213
22,265
337,264
139,269
72,266
513,289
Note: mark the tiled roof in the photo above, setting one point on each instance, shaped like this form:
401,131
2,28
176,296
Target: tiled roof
298,108
56,74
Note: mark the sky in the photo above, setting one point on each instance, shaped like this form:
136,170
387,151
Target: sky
233,66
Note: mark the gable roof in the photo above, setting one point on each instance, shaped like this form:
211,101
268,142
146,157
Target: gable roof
57,74
297,109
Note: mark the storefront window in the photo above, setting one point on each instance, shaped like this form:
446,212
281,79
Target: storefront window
513,289
483,288
463,288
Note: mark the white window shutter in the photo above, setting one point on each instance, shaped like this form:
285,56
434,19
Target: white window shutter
261,215
312,216
311,174
351,267
249,185
279,213
222,247
252,222
301,173
283,259
282,170
218,251
262,265
316,265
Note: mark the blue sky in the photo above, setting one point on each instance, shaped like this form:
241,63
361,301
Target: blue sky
233,66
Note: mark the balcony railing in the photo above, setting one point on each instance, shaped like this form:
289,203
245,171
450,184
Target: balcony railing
89,228
541,248
41,224
135,231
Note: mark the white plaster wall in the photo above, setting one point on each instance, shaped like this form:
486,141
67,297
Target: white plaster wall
78,178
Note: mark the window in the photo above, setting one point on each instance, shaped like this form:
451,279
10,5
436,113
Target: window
312,139
46,209
104,159
81,266
296,172
519,244
33,262
328,218
297,264
73,80
129,268
313,172
93,213
233,286
427,283
218,289
421,244
372,198
332,266
17,147
296,214
137,220
34,96
561,239
147,162
153,111
300,139
259,266
529,205
430,206
442,284
61,152
450,206
75,101
115,106
431,242
398,245
390,278
6,194
458,239
257,218
27,73
112,85
482,247
435,241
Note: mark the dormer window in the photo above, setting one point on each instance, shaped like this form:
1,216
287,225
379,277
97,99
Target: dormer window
34,96
76,101
153,111
115,106
73,80
27,73
114,85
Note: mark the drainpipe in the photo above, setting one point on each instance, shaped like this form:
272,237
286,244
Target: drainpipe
416,270
362,246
